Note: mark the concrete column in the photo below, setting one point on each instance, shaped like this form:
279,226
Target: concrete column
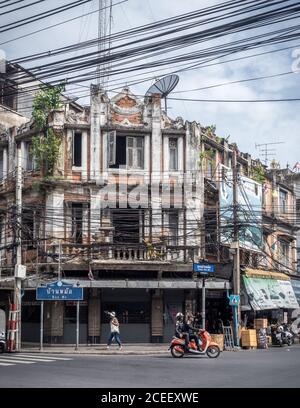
156,138
84,167
55,211
5,163
157,320
94,316
190,302
95,130
194,195
11,150
24,154
99,117
54,320
95,211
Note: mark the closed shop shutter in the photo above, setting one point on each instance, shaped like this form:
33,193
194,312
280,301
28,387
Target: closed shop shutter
157,322
94,318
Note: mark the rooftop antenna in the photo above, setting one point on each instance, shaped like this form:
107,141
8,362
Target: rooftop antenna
104,40
266,152
164,87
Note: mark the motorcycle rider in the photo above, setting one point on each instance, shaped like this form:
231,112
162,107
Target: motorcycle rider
180,331
184,330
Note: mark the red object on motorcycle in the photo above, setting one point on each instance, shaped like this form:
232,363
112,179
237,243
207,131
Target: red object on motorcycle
179,349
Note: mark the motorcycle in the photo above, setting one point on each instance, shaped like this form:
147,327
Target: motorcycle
281,336
288,336
207,346
2,332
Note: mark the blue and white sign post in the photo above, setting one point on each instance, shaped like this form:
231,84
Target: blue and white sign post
58,291
204,269
234,301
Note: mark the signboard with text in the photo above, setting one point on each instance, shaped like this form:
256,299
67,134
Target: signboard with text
59,290
203,268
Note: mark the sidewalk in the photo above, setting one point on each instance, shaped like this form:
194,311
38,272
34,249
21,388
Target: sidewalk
128,349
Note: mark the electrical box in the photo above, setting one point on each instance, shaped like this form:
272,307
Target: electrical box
20,271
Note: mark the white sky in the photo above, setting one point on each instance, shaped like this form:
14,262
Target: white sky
246,124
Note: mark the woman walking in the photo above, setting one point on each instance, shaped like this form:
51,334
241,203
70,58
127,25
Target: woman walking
114,330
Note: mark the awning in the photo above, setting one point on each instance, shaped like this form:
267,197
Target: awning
296,287
269,290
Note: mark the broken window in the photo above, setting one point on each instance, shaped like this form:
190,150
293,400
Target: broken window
125,151
77,216
77,149
127,224
173,154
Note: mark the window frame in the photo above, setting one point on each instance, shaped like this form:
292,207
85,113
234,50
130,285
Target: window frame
76,133
175,149
283,203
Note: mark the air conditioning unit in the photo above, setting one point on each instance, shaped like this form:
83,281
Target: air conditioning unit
20,271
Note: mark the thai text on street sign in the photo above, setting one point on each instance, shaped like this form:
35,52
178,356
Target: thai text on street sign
59,290
204,268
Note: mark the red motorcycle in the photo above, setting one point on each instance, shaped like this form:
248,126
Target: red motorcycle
208,347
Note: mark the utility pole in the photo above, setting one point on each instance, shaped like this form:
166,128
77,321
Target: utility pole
236,246
59,260
104,40
203,303
18,281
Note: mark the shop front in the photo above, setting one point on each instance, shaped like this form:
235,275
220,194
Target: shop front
146,310
268,294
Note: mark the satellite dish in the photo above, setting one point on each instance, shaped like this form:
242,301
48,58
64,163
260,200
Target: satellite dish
164,87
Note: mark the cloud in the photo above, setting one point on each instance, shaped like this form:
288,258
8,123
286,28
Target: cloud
246,123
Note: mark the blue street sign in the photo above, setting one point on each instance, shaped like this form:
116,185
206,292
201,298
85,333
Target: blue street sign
59,291
234,300
204,268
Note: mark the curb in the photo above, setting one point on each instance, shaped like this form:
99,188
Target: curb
96,352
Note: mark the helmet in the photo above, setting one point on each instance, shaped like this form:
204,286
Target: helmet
280,329
179,316
113,314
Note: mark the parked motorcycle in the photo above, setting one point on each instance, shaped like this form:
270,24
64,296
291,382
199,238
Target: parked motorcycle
288,336
207,346
281,336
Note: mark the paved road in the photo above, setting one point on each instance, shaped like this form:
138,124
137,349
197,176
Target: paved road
260,368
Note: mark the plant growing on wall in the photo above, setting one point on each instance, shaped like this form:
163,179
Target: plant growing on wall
45,145
258,173
207,154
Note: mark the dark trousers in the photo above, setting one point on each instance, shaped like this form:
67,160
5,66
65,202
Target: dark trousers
116,336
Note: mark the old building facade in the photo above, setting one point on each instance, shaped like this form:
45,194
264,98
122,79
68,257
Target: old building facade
134,200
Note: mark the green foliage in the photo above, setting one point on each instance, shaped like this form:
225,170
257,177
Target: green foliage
206,154
258,173
44,102
46,150
219,139
45,147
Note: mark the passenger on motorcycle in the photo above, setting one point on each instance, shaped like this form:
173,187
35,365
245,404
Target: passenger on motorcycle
185,331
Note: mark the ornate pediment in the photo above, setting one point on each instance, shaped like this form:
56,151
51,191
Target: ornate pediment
126,109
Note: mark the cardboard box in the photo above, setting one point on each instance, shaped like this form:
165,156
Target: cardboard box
260,323
249,338
219,339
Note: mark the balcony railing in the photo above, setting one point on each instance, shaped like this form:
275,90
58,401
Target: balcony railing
76,253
